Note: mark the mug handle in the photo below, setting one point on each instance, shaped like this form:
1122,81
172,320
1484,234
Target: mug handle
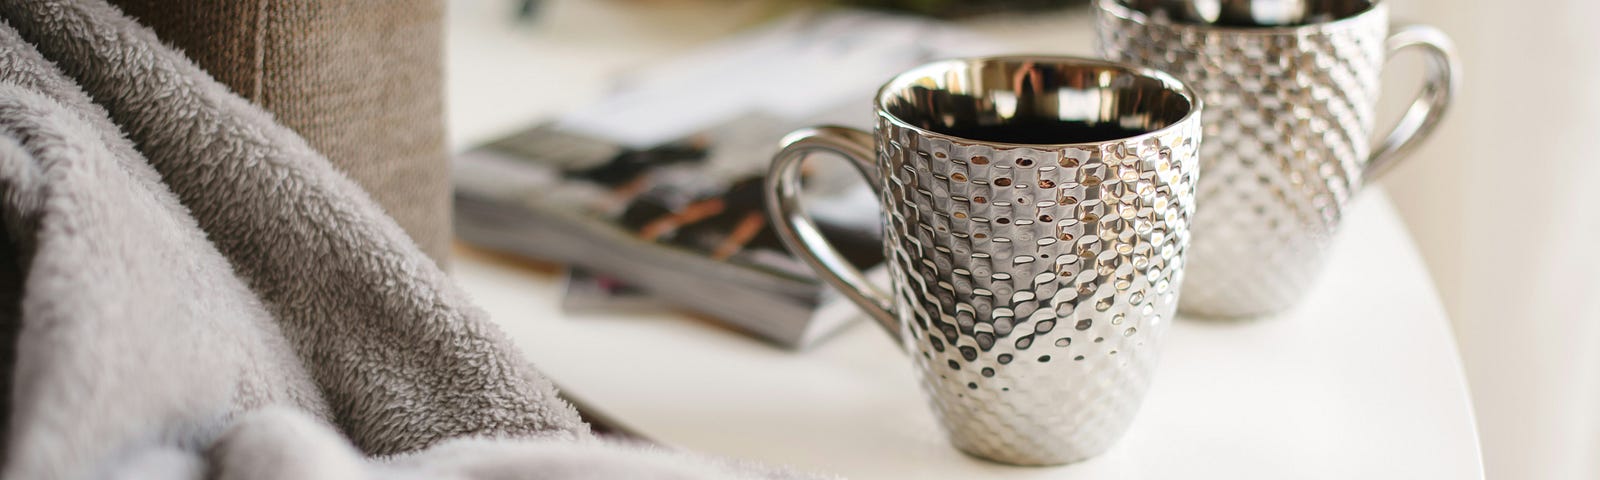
795,228
1443,80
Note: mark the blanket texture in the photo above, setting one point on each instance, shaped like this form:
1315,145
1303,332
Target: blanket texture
358,79
188,290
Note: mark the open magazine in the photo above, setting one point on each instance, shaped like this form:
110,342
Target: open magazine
655,194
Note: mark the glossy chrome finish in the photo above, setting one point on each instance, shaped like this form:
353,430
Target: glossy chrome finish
1036,214
1249,13
1288,132
796,228
1443,80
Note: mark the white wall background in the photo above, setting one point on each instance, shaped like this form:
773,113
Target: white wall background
1504,203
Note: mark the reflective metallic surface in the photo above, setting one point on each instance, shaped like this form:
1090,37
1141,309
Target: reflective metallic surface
1035,267
1288,129
1249,13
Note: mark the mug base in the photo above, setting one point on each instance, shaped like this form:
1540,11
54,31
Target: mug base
1023,457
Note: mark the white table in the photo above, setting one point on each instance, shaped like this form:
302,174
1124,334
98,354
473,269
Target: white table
1361,381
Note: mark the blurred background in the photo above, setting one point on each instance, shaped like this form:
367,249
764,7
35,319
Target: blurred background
1501,201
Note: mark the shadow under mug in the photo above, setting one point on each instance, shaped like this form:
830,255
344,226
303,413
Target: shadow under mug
1035,213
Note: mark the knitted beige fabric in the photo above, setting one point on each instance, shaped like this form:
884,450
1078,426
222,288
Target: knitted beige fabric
361,80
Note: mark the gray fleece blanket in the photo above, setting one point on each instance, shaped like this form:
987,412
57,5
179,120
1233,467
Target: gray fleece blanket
187,290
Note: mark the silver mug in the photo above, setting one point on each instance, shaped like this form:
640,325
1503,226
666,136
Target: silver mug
1290,87
1035,214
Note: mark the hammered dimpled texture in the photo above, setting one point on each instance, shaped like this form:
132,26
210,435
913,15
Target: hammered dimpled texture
1034,285
1287,126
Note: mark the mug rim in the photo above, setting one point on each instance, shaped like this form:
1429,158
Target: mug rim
1122,11
1196,104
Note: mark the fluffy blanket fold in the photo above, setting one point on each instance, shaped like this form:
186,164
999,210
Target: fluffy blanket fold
187,290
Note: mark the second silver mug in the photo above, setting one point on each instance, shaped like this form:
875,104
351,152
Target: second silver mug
1035,214
1291,87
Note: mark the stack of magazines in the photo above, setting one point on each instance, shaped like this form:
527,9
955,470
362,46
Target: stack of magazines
654,196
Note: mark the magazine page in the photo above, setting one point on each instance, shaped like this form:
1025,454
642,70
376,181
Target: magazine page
669,170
